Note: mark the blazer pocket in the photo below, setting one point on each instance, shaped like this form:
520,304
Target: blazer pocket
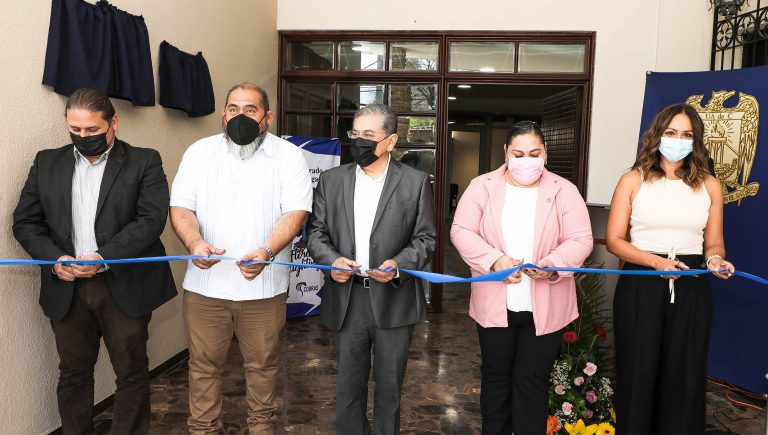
401,204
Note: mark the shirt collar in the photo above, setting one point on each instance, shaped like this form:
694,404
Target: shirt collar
359,171
102,158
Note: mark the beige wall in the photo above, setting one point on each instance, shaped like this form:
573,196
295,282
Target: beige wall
238,40
628,34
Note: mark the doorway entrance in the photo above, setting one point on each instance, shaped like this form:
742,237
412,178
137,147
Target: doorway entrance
423,76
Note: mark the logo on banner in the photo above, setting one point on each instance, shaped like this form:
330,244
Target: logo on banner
730,134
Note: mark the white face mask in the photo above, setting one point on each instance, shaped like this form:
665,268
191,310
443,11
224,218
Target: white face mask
674,149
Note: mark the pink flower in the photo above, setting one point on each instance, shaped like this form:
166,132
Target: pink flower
567,408
578,381
559,389
588,413
591,396
590,369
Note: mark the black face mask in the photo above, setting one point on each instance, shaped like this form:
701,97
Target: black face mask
243,129
363,152
91,146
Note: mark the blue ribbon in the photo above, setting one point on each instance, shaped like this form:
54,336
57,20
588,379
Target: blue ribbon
435,278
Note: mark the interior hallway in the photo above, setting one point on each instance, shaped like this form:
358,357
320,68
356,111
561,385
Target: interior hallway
441,394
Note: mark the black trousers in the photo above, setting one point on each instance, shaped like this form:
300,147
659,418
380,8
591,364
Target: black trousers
661,353
516,365
94,314
358,336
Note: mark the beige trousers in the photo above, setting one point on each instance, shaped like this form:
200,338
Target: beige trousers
210,324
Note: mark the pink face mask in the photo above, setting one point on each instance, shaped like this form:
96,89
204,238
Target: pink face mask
525,170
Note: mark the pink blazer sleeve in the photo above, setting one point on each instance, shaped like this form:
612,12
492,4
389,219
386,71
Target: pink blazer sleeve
467,232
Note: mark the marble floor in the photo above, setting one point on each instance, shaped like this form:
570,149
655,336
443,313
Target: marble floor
441,392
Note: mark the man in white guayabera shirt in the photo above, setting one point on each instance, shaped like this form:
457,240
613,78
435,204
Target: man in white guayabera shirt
244,193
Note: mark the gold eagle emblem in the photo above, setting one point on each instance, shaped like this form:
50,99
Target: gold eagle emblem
730,134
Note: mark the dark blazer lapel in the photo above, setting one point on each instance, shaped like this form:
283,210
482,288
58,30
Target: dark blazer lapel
63,181
115,162
390,183
349,198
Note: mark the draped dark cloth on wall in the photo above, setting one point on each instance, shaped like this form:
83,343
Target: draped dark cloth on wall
185,82
99,46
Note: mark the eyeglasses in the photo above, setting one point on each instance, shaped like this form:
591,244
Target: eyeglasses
367,134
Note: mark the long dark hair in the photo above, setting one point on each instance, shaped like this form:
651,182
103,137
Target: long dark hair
694,169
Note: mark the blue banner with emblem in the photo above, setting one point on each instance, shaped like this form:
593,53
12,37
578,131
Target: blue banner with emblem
306,284
736,135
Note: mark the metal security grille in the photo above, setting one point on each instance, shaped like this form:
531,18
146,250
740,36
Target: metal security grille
740,41
559,123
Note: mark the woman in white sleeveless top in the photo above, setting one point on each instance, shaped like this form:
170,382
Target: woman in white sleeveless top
672,210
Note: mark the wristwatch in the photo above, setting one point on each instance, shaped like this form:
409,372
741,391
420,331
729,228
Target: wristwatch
269,252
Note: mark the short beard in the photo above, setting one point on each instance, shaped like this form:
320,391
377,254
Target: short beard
248,150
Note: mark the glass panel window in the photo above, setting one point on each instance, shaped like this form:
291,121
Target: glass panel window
314,55
308,125
546,57
483,56
361,55
422,159
416,129
413,56
352,96
413,98
309,96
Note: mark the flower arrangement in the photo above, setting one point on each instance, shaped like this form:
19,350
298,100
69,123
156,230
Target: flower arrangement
581,395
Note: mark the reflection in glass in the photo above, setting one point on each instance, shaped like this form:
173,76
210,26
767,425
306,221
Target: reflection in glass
309,96
307,125
361,55
416,129
413,98
315,55
543,57
483,56
351,96
422,159
413,56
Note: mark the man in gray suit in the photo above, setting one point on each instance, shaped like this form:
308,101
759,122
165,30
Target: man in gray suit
374,213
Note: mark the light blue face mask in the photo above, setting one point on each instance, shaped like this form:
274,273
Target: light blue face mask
674,149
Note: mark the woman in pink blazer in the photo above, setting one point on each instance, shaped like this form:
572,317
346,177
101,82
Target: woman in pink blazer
521,213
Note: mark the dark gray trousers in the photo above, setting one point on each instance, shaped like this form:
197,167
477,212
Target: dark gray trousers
358,336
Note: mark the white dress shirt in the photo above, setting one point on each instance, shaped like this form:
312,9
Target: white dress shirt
367,195
517,225
86,184
237,203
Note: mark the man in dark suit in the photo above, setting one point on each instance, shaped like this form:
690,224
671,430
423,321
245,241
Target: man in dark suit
377,214
98,198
